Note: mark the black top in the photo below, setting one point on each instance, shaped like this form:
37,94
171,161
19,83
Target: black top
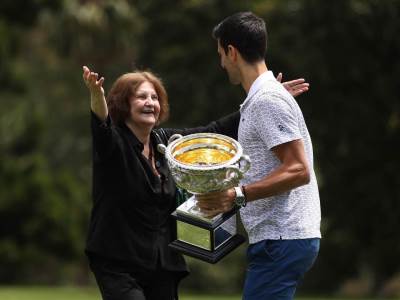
130,218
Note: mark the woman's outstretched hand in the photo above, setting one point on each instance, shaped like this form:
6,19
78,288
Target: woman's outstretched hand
92,82
95,85
294,87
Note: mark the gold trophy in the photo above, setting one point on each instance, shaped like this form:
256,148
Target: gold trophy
202,163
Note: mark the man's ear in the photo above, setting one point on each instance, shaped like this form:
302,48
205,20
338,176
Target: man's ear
232,53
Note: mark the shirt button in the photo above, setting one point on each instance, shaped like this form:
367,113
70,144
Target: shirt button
158,164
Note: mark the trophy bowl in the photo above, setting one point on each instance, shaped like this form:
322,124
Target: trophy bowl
205,162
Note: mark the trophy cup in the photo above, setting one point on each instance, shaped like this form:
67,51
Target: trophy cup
202,163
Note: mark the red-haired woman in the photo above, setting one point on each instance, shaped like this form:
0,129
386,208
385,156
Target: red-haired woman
133,191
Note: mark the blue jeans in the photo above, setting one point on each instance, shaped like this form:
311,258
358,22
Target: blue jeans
275,267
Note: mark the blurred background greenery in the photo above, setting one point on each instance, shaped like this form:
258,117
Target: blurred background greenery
348,50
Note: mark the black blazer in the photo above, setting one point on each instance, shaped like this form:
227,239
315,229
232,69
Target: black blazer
130,218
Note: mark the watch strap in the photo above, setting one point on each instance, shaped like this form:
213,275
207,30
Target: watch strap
240,199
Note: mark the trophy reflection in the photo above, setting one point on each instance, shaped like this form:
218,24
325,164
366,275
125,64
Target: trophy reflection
203,163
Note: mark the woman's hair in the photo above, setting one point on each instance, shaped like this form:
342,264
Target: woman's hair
125,86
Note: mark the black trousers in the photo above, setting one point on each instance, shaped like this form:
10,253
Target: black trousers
121,281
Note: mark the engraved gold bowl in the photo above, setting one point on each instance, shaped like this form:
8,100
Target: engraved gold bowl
205,162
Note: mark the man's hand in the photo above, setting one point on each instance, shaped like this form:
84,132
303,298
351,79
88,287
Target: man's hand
294,87
216,202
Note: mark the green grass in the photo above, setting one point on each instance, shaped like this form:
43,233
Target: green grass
74,293
48,293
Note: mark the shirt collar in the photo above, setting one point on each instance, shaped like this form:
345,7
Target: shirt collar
134,140
257,85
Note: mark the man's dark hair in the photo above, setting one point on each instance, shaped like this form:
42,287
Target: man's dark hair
246,32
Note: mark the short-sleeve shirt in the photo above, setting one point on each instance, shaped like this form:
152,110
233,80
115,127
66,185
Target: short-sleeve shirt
269,117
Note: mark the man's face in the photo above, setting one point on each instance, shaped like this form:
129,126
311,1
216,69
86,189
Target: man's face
228,63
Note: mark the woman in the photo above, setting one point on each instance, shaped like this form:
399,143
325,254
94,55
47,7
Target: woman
133,191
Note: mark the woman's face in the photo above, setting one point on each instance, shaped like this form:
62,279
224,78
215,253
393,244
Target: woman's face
145,108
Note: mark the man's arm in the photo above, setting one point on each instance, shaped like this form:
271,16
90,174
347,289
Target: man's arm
293,172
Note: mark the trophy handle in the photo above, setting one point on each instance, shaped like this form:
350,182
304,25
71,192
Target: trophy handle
174,137
161,148
244,163
232,173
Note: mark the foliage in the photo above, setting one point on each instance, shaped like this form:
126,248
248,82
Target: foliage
185,55
346,49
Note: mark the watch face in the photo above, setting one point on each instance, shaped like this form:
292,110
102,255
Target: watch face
240,201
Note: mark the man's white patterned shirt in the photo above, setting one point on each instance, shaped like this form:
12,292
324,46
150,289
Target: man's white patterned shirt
269,117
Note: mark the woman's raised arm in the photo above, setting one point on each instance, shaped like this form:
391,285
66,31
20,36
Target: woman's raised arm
97,100
294,87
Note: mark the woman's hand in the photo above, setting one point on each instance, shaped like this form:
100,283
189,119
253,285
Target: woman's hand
94,85
98,101
294,87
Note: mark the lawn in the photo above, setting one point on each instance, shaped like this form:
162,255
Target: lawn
74,293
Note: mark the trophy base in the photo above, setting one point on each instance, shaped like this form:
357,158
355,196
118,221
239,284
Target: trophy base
206,241
205,255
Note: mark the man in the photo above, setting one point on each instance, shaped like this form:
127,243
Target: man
282,215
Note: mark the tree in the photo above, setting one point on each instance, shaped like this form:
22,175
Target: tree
346,49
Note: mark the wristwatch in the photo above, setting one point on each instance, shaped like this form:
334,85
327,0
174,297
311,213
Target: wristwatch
240,199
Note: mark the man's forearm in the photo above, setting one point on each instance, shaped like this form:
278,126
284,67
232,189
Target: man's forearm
281,180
